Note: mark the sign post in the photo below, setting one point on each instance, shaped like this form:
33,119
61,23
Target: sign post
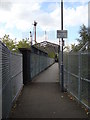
62,34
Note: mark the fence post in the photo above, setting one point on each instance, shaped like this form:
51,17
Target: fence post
79,76
68,72
26,64
60,67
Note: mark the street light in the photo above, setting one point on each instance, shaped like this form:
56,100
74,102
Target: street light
35,24
62,66
62,34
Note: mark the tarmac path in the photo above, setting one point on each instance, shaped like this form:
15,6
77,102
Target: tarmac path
42,98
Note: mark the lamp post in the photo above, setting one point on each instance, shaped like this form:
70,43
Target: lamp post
35,24
62,66
62,34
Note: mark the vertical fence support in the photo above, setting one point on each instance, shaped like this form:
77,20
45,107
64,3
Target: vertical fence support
79,76
26,65
59,67
68,73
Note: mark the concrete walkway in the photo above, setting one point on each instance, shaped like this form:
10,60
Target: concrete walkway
43,99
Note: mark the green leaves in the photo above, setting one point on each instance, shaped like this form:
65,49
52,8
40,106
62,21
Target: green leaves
51,55
9,42
83,38
13,46
24,43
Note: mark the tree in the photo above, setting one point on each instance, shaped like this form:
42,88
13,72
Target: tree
83,35
83,38
9,42
76,48
24,43
66,48
51,54
12,46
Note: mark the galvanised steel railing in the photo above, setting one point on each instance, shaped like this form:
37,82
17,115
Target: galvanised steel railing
12,68
76,79
34,62
10,78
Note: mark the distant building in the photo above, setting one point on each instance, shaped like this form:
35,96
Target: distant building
48,47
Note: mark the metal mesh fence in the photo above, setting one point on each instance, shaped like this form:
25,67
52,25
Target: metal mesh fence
11,74
11,77
76,75
84,77
0,80
39,62
34,62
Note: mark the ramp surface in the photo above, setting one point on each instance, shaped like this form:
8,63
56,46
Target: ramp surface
43,99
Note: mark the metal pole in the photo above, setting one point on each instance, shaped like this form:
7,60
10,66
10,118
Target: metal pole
35,24
79,78
62,66
30,38
59,59
35,32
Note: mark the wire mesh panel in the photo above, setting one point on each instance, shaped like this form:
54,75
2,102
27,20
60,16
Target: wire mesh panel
84,77
34,63
41,63
38,63
0,80
73,71
6,82
16,73
12,81
32,59
65,69
76,75
84,65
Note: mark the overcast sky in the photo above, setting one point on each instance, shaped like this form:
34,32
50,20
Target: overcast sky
17,17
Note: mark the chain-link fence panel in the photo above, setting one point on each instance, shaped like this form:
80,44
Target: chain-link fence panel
38,62
0,80
11,78
76,75
84,77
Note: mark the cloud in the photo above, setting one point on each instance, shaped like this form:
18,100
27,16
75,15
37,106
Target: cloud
42,38
5,5
3,32
76,17
21,14
40,1
72,17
